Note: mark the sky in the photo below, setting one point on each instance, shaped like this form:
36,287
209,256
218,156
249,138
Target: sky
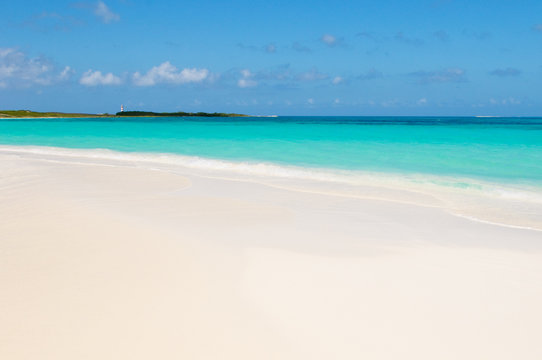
320,57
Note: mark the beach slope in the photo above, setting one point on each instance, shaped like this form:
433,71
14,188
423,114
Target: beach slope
115,260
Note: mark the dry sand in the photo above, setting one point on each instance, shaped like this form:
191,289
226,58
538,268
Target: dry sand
108,260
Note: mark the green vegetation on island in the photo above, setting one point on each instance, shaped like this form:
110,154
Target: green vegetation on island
179,113
35,114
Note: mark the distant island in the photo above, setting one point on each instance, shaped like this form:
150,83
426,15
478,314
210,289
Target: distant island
180,113
35,114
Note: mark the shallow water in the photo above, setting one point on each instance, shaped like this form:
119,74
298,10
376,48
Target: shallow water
502,150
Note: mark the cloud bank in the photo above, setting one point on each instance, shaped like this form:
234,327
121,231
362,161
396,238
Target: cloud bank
18,70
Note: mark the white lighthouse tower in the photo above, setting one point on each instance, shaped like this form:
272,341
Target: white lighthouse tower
121,108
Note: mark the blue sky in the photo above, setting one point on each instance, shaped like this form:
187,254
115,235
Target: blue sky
430,57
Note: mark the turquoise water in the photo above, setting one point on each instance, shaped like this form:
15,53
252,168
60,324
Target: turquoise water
495,149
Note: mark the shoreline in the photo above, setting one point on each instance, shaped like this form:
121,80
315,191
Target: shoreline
26,114
114,256
486,202
115,116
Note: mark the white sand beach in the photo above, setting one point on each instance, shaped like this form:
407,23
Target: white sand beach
108,259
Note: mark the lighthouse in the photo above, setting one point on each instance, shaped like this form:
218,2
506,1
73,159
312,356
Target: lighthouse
121,108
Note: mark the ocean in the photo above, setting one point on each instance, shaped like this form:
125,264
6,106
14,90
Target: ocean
496,156
491,149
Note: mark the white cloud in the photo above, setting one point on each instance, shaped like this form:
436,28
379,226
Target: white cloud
441,76
337,80
167,73
246,73
390,103
310,101
66,73
513,101
506,101
271,48
422,101
245,83
329,40
246,80
311,75
102,11
16,69
95,78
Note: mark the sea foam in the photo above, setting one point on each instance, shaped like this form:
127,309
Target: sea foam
264,169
